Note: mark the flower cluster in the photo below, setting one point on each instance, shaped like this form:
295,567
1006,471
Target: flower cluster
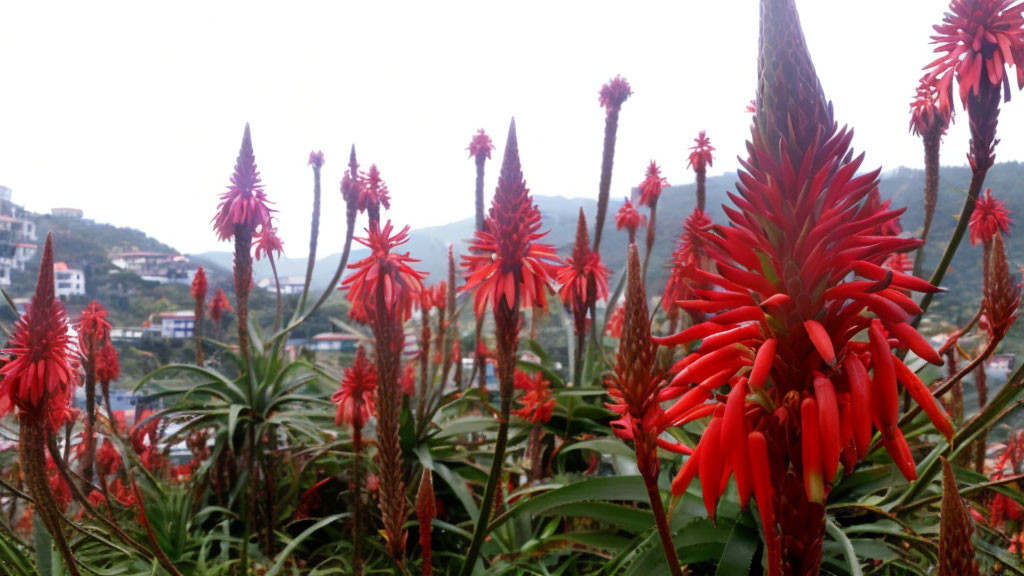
629,218
506,263
355,395
244,205
384,277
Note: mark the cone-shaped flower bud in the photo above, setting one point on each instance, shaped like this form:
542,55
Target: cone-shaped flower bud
244,205
956,551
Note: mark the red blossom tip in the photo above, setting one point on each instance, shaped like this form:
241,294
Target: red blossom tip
989,217
614,93
199,284
267,243
480,146
316,159
651,187
700,154
244,205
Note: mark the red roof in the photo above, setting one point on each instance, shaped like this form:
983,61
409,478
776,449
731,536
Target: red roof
26,245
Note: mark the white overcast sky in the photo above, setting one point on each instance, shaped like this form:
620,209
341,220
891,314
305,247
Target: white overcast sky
134,111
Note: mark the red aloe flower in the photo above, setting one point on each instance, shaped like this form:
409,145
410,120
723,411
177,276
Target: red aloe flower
956,550
700,153
612,96
650,191
382,291
384,270
614,93
316,159
355,400
108,369
373,193
583,267
244,206
219,305
242,210
506,268
929,119
480,145
700,159
37,382
651,187
43,364
797,281
584,280
629,218
480,149
199,285
199,288
108,460
426,511
615,322
635,387
1002,295
538,401
93,328
687,260
977,40
929,114
93,332
355,396
267,243
990,216
506,264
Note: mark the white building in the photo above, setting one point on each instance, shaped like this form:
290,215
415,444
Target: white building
334,342
289,285
179,324
17,237
68,281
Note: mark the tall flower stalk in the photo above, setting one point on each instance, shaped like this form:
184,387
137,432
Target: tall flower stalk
38,384
584,280
976,41
242,211
268,244
382,289
799,310
636,386
93,333
507,268
355,400
700,159
929,119
480,151
426,511
316,161
612,96
199,288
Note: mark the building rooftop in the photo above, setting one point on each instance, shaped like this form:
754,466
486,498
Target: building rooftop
334,337
179,315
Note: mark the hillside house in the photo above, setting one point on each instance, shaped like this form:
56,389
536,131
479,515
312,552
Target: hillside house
68,281
178,324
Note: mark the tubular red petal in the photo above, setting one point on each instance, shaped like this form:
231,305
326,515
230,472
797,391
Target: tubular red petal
761,477
829,426
687,473
912,339
924,398
702,330
711,462
885,393
821,340
763,363
736,335
898,449
811,451
734,434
